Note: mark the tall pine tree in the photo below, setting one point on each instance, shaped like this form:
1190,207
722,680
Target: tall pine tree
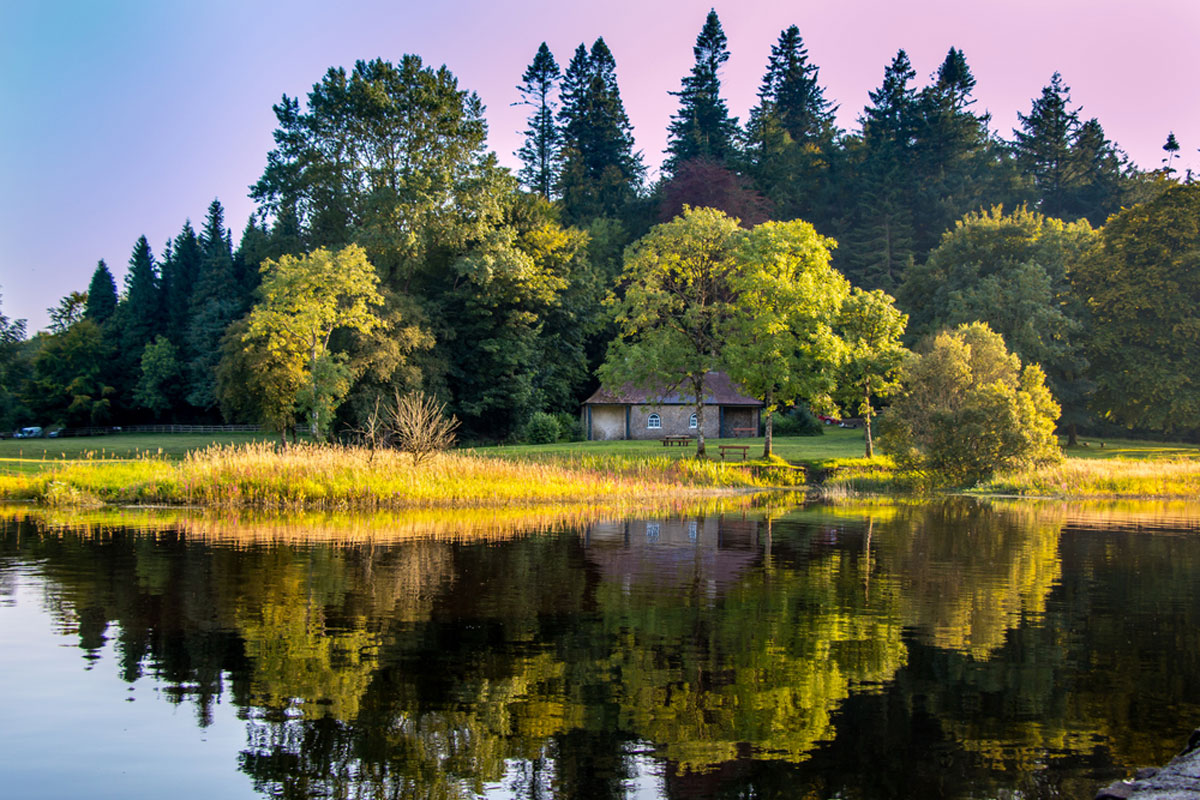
600,174
880,244
540,153
101,295
702,127
1043,147
215,304
791,135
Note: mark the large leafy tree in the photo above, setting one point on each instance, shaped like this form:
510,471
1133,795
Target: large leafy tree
601,174
70,382
539,153
1142,289
778,342
390,156
702,127
872,355
678,300
970,409
1011,271
14,369
304,301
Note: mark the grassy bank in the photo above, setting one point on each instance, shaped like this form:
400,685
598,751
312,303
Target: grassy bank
331,477
180,470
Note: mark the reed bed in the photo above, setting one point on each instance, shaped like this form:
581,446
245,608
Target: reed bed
1114,477
330,477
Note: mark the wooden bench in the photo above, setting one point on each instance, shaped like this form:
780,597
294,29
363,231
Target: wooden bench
744,448
681,439
744,432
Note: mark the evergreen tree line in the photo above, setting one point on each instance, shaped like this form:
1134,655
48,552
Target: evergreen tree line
492,284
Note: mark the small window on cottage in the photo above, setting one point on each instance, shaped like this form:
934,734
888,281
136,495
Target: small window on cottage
654,421
693,422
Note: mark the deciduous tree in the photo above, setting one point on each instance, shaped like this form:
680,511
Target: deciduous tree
870,327
678,299
304,300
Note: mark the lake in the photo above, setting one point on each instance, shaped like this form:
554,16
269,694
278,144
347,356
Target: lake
955,649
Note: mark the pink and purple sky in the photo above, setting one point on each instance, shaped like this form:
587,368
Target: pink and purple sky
126,118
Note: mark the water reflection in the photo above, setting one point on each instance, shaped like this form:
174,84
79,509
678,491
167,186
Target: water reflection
956,648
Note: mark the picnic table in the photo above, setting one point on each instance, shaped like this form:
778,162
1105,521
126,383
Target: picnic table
744,448
681,439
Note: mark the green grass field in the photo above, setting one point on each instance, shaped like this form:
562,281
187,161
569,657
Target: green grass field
33,455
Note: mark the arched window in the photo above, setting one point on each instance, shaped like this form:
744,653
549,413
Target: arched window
693,422
654,421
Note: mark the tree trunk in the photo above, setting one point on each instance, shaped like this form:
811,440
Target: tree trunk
698,388
770,425
1072,436
867,419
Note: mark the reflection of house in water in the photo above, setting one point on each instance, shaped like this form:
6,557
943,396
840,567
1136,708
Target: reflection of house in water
708,554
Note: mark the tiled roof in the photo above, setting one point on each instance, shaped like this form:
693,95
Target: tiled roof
719,390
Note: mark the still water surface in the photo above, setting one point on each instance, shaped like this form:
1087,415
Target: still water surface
959,649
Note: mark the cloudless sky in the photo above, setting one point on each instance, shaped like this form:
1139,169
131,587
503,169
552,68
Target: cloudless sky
119,119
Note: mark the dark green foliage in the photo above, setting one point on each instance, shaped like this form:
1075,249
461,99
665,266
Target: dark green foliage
1077,172
14,368
881,241
791,135
1171,148
216,301
798,421
69,310
702,127
539,154
1142,289
71,380
600,174
180,271
101,295
160,385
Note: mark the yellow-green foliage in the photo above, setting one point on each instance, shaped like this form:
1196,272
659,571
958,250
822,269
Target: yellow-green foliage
1118,477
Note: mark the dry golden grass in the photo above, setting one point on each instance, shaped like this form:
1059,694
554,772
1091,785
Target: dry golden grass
1116,477
327,477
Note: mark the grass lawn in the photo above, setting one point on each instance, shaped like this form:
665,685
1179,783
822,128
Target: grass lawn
835,445
1129,448
33,455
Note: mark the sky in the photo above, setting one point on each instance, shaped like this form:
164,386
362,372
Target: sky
126,118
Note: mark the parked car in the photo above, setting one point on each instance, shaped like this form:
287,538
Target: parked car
32,432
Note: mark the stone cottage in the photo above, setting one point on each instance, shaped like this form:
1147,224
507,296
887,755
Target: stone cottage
633,413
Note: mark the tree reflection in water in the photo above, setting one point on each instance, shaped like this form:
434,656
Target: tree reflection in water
951,648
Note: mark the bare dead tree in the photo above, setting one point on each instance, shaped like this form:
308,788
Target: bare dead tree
419,426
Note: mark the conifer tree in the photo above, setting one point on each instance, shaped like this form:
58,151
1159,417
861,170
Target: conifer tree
540,152
880,244
791,134
1171,148
180,270
142,305
600,174
214,305
702,127
1043,146
101,295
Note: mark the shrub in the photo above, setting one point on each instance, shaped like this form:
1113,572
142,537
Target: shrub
419,425
570,427
798,421
542,428
969,409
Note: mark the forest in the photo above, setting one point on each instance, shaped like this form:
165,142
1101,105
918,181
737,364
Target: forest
390,252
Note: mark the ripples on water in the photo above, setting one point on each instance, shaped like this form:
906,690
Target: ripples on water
957,649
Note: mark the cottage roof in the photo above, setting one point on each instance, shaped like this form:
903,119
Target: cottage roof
719,390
